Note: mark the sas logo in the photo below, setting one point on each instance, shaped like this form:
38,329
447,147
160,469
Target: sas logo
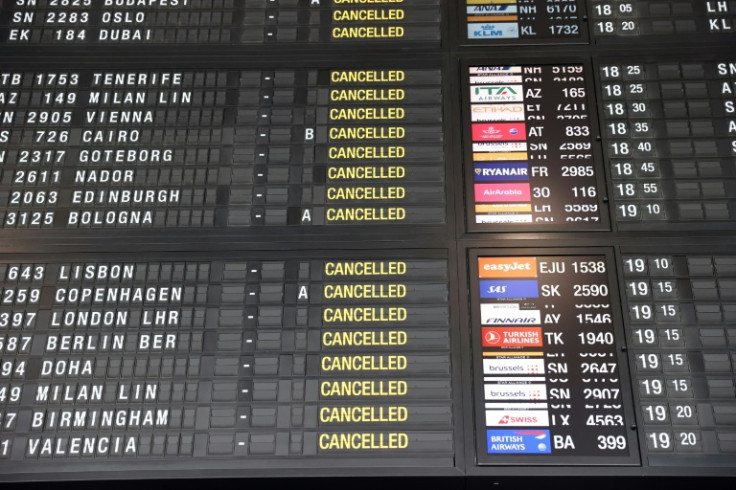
496,93
509,289
518,442
507,267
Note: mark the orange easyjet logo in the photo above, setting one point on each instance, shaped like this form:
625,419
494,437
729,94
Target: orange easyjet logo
507,267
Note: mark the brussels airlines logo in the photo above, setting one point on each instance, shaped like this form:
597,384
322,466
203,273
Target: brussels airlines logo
496,93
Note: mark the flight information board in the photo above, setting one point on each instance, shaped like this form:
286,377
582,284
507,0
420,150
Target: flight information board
187,358
113,22
523,22
669,130
215,149
480,240
530,149
547,366
622,20
680,328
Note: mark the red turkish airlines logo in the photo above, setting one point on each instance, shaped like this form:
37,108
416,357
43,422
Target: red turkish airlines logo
491,338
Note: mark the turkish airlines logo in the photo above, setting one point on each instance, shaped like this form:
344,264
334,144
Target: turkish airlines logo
490,338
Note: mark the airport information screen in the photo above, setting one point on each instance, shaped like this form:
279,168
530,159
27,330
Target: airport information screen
268,238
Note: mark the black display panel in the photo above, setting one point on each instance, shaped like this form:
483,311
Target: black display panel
530,149
488,241
172,22
683,348
668,131
549,378
183,359
669,20
489,22
221,148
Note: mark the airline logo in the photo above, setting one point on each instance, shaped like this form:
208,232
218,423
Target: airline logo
502,192
517,418
504,208
495,78
493,30
508,314
493,9
516,391
507,267
499,132
503,218
518,441
496,112
484,70
513,366
501,147
496,93
513,336
490,289
500,172
501,156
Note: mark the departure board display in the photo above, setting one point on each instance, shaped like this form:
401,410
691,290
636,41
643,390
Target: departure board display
368,242
662,20
491,22
681,310
224,360
111,22
530,148
669,131
216,149
548,377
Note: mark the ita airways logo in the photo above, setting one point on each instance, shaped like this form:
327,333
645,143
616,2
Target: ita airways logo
496,93
499,132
